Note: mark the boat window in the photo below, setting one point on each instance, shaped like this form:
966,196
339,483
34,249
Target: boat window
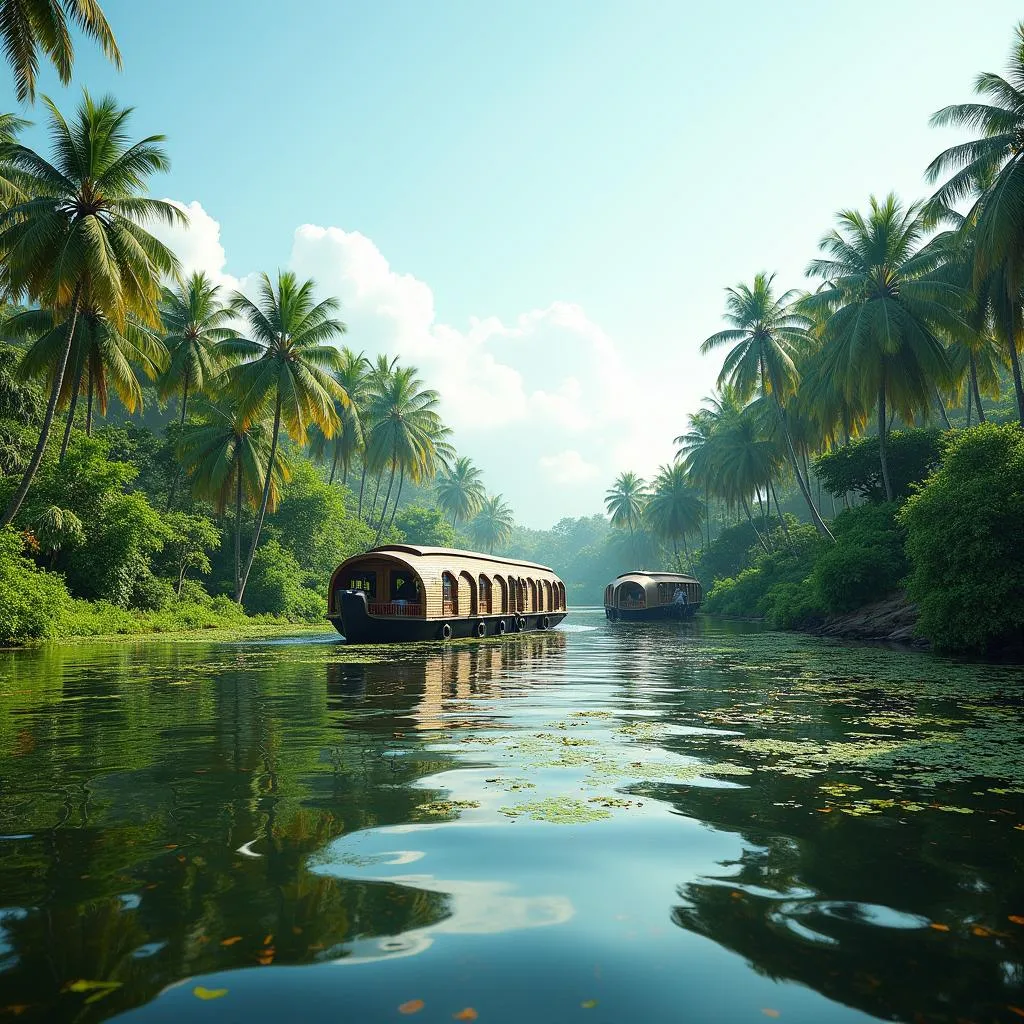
485,595
404,586
449,594
363,581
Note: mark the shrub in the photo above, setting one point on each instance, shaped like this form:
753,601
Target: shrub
964,542
790,605
857,467
32,601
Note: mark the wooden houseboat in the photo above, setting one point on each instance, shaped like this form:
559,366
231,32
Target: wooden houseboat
402,592
643,596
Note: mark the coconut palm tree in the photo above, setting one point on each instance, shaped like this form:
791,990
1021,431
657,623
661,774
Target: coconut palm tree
887,310
195,321
288,366
767,337
675,508
102,358
460,491
492,526
11,127
404,431
990,171
81,228
625,502
226,457
28,26
348,439
377,377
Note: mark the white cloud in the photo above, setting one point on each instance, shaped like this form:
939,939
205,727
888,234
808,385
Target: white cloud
514,393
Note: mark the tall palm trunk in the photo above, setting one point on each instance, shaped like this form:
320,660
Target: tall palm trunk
753,525
398,496
376,494
88,405
883,430
51,407
387,498
707,512
263,503
72,409
334,464
177,474
362,485
977,393
942,409
238,527
1018,384
778,512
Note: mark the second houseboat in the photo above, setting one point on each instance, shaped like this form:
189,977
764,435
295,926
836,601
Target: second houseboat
402,592
644,595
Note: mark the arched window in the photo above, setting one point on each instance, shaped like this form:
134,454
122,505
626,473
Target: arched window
502,606
533,595
449,594
561,597
485,595
548,605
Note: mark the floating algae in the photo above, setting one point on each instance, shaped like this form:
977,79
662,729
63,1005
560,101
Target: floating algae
557,810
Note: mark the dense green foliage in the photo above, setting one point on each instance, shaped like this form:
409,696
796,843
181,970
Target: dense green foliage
964,541
32,602
855,467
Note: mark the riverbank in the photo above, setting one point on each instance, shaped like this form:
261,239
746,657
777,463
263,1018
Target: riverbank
892,620
254,629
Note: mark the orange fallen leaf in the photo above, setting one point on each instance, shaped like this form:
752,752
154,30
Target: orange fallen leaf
1016,919
467,1014
265,959
1019,828
413,1006
589,1004
982,933
268,939
1016,1009
231,941
181,859
939,927
171,846
770,1013
208,993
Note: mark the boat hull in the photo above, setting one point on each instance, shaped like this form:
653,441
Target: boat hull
659,613
357,626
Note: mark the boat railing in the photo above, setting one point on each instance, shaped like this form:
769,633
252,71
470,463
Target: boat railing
485,606
447,607
396,608
632,602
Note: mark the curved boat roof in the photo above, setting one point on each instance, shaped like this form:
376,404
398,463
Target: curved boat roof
643,576
446,554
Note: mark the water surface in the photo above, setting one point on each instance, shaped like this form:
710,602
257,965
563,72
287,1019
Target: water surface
605,823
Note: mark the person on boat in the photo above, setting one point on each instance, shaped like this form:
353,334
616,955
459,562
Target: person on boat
679,598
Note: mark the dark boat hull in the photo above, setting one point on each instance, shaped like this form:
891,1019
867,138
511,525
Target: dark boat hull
357,626
662,612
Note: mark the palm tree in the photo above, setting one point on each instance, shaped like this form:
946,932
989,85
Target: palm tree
460,491
405,431
887,310
768,337
377,377
348,438
492,526
81,226
625,502
102,357
226,456
195,321
11,127
28,26
990,170
675,508
289,366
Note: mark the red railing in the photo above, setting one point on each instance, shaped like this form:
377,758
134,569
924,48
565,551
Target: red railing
395,608
628,602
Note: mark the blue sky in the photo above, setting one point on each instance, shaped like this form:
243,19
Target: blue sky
539,202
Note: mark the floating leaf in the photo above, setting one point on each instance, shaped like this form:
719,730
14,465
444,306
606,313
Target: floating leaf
770,1013
939,927
467,1014
589,1004
1016,919
268,939
413,1006
99,989
231,941
208,993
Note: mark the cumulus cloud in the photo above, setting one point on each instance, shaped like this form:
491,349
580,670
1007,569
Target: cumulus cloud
546,404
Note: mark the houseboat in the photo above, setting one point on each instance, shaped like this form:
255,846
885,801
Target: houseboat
403,592
643,596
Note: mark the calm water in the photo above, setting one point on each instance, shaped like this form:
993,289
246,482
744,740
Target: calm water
603,823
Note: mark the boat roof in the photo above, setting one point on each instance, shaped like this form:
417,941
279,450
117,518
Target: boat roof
658,577
421,551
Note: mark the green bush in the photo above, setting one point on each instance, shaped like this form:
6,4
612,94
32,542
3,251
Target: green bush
791,605
857,467
276,586
32,601
964,533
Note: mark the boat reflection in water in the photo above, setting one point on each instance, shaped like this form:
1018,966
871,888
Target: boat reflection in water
428,685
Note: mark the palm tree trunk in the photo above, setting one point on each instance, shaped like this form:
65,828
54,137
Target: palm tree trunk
44,432
362,485
181,423
387,498
238,526
805,490
88,405
977,393
753,525
942,409
376,494
72,409
1018,384
334,464
882,431
394,508
778,512
707,512
263,504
